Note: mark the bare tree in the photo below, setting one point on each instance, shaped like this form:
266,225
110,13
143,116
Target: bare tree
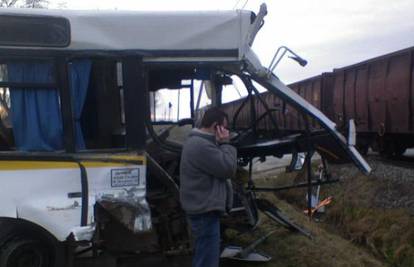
62,5
8,3
36,3
24,3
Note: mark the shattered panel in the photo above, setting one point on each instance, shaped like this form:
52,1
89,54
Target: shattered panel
129,207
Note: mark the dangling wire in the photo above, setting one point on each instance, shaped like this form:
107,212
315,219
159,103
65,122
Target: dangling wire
237,3
245,4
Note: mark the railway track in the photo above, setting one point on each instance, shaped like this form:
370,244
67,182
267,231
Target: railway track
401,161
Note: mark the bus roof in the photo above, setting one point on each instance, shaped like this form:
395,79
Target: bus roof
219,33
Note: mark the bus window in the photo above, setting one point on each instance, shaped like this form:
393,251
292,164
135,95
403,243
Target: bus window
34,31
30,107
31,112
6,138
102,118
170,105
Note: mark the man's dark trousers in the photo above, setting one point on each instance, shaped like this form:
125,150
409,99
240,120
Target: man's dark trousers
205,228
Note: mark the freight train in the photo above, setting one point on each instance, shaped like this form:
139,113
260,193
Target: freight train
378,94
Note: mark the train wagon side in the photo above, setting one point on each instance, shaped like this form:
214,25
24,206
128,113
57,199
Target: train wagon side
378,95
286,117
313,90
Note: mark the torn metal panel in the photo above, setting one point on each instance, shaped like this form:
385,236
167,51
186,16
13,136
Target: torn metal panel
275,214
233,253
129,207
83,233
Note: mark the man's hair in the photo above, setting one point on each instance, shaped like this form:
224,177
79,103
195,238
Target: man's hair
213,115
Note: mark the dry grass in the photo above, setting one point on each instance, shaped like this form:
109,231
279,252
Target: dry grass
292,249
388,234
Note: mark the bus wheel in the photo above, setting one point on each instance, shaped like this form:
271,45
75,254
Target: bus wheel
25,252
21,250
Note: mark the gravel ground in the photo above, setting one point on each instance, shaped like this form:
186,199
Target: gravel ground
396,184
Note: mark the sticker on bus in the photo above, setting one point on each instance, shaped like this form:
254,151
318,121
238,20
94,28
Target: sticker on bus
125,177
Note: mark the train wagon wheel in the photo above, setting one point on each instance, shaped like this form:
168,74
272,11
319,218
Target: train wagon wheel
363,149
393,149
400,150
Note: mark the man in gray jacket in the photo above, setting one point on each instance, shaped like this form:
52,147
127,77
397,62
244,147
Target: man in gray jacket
207,162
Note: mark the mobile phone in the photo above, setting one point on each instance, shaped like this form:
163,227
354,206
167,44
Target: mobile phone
219,127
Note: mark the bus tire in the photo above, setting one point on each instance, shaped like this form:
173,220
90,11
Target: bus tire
20,249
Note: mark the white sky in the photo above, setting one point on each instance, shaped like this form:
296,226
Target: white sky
328,33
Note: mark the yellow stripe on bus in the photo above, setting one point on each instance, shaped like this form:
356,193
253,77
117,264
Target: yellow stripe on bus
38,165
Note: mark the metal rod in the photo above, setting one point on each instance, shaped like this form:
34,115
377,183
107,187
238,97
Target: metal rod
237,90
250,248
155,107
236,114
29,85
261,117
293,162
200,92
308,162
300,185
178,105
66,104
249,83
25,59
250,183
192,101
325,167
253,114
278,60
285,49
274,57
309,175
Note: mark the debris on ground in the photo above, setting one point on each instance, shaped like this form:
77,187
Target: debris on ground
375,213
293,249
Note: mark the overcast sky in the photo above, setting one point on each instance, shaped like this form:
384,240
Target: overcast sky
328,33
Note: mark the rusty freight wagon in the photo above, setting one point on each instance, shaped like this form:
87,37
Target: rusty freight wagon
378,94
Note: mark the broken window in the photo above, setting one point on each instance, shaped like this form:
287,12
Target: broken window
103,118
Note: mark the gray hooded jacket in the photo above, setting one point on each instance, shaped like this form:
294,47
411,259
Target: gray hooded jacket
205,167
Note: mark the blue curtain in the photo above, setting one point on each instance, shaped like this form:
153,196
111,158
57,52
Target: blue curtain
36,116
36,113
79,83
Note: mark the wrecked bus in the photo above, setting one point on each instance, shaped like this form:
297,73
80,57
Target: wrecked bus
85,163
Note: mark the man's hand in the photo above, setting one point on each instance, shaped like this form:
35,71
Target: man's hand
222,134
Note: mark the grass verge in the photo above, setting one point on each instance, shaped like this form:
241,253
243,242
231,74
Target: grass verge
357,215
292,249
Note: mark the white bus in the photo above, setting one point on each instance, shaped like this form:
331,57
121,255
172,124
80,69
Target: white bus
81,162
